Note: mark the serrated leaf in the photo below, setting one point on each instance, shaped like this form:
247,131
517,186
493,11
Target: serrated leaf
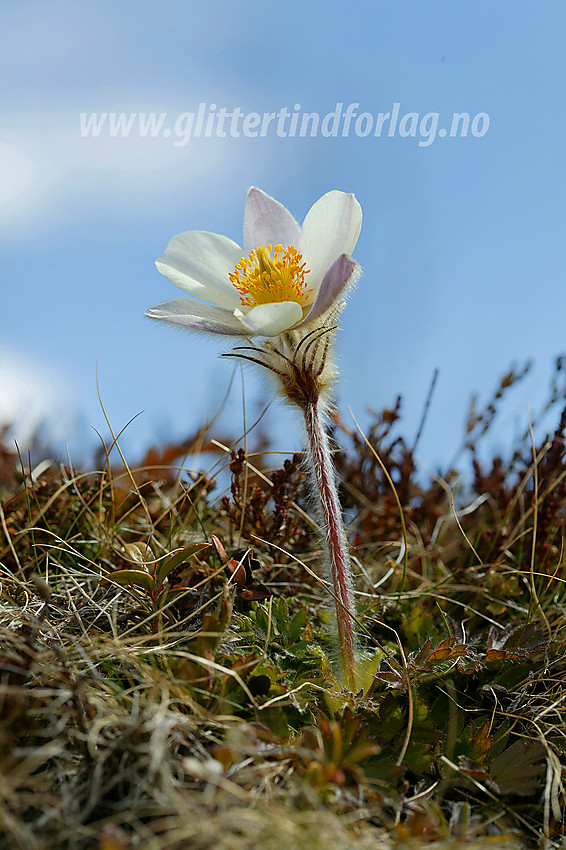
281,616
262,620
516,641
175,559
418,624
469,664
471,769
529,638
419,757
496,655
423,653
391,674
424,730
127,578
481,743
394,680
297,625
275,720
510,676
430,656
392,716
446,650
517,770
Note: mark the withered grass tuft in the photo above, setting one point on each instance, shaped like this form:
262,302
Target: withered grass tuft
161,692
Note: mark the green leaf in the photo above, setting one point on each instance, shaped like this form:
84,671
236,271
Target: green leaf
297,624
528,637
262,620
275,720
385,772
419,757
418,625
139,552
175,559
133,577
392,716
282,616
481,742
518,769
446,650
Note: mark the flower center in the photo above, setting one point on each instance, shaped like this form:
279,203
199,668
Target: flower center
271,274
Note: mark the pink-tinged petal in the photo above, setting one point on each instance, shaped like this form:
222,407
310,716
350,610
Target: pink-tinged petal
199,263
198,317
331,227
267,222
341,275
270,319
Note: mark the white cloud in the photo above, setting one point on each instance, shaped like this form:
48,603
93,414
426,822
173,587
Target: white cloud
24,185
33,399
50,174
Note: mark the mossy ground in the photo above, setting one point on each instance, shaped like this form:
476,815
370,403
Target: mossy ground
151,696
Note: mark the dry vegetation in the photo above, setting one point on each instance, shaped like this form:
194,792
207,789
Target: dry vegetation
155,694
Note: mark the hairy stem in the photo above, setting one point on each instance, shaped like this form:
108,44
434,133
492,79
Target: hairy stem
335,538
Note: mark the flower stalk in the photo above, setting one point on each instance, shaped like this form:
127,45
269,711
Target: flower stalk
324,476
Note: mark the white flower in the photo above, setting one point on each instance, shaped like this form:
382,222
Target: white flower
284,278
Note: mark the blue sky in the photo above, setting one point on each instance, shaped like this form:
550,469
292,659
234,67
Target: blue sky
462,246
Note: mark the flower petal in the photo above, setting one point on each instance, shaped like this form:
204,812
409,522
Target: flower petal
271,319
342,272
199,263
199,317
267,222
331,227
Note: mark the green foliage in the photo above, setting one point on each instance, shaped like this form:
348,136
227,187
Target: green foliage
152,574
145,697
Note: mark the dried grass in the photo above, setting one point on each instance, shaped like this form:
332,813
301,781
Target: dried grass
183,713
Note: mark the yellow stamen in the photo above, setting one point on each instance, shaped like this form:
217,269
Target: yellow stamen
263,279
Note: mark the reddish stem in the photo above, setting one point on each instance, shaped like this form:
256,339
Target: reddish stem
335,537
